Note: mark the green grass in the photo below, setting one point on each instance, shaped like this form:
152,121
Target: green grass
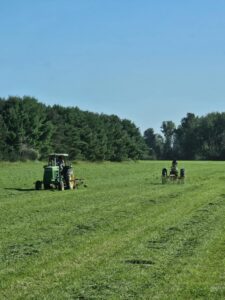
125,236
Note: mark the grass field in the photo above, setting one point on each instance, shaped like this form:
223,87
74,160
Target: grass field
125,236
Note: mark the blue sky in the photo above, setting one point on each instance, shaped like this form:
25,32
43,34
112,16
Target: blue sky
145,60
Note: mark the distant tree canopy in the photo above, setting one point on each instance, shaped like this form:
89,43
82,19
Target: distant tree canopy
195,138
31,130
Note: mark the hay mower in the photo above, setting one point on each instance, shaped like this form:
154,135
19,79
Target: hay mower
58,174
174,175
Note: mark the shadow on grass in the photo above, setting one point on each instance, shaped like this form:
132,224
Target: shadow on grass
20,189
29,190
139,262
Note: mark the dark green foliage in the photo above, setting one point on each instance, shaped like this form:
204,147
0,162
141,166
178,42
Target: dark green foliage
29,129
155,144
26,128
195,138
168,130
186,140
201,137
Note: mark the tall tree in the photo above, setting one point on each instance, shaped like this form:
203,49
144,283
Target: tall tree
187,138
154,142
168,130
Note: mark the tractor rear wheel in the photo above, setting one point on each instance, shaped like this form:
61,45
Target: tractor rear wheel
67,181
46,186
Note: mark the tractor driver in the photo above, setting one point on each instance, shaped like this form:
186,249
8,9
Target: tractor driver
61,163
174,169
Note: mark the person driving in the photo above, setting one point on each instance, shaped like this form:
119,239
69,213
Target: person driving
174,168
61,163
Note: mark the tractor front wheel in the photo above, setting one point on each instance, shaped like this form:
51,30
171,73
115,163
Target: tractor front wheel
38,185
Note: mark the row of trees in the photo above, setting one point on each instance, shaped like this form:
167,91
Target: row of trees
195,138
31,130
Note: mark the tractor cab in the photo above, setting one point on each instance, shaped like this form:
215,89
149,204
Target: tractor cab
58,159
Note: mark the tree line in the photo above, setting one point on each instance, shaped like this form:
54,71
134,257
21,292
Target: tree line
32,130
195,138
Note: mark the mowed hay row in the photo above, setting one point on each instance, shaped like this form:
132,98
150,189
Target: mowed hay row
124,236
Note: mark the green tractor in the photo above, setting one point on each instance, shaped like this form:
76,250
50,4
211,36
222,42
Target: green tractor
58,173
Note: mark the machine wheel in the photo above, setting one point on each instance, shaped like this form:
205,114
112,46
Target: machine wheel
164,175
38,185
61,186
164,172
